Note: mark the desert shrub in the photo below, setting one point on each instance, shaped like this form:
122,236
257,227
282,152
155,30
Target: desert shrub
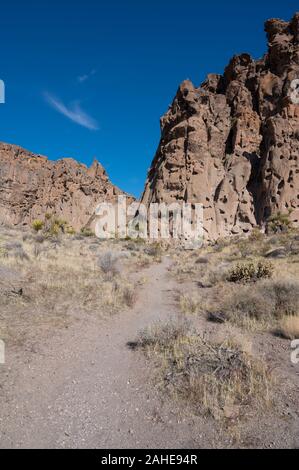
2,252
37,225
279,222
37,250
256,235
183,267
162,334
86,232
143,261
250,272
217,273
139,240
11,246
16,250
27,237
60,222
245,248
131,246
189,304
284,294
93,248
21,254
58,226
78,236
220,244
39,238
154,249
54,229
107,263
247,303
70,230
129,296
288,327
215,379
267,302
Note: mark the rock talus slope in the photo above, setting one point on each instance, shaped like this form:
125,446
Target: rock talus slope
31,186
233,143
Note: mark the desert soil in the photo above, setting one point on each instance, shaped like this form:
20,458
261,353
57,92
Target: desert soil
85,388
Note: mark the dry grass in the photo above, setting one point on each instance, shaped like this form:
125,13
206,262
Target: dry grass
220,380
256,306
189,304
289,327
107,262
53,281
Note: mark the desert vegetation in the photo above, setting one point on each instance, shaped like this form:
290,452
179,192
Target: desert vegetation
216,379
251,282
52,277
234,303
239,302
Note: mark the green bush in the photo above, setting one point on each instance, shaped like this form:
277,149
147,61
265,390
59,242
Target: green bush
54,229
250,272
52,226
37,225
60,223
70,230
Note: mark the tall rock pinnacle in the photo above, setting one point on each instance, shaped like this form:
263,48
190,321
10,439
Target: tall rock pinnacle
233,143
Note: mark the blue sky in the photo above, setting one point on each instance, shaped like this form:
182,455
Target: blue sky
91,78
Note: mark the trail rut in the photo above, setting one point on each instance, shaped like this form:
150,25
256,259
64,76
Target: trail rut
87,389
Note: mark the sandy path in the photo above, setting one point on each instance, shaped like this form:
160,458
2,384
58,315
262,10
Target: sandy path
88,389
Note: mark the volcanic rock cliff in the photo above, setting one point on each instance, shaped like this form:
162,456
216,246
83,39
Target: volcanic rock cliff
233,143
31,186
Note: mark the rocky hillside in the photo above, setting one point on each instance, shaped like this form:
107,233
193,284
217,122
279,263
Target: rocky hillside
233,143
31,186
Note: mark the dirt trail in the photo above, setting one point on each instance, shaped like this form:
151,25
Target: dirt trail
86,388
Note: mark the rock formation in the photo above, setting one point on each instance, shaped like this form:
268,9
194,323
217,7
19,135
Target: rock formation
233,143
31,186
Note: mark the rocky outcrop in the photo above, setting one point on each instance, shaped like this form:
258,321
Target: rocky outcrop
233,143
31,186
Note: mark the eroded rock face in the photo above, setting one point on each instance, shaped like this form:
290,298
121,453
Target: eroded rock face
31,186
233,143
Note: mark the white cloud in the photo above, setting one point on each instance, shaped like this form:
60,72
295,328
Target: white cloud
83,78
74,112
